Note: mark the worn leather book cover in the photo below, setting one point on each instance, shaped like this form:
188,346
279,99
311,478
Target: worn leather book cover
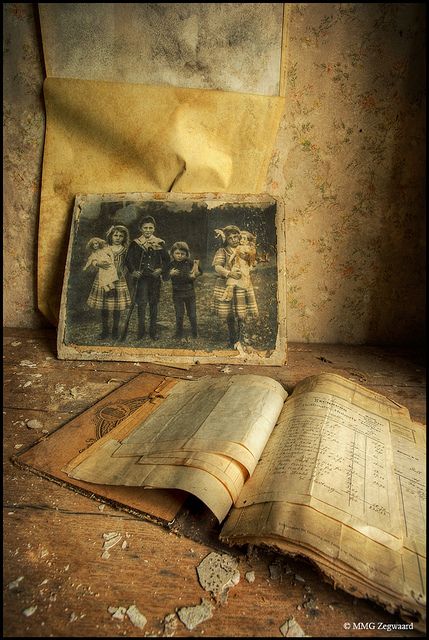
49,455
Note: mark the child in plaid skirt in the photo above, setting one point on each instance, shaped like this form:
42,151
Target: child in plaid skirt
232,303
113,298
244,259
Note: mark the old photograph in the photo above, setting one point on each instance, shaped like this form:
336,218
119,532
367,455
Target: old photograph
173,277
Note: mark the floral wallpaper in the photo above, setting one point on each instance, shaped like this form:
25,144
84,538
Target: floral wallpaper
349,164
23,133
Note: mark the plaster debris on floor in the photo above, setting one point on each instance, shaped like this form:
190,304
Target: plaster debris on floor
275,571
310,603
33,424
118,613
136,617
170,625
291,629
15,583
193,616
110,540
217,573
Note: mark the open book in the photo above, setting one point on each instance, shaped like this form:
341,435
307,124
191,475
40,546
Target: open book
335,473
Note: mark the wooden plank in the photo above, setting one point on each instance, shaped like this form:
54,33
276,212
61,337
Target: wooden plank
58,554
396,372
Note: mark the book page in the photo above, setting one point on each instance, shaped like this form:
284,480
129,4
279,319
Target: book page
409,454
342,481
356,563
206,438
333,452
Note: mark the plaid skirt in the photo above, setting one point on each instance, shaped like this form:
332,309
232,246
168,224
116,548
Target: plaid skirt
117,299
243,302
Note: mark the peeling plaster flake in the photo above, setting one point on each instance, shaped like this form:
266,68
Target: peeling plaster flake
136,617
15,583
193,616
291,629
118,613
218,572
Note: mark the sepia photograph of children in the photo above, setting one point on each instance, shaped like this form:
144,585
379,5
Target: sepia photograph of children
201,276
234,296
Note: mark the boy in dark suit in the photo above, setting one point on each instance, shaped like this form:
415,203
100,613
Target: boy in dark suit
183,272
147,260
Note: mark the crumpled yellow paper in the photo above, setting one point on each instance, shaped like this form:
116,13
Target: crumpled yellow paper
108,137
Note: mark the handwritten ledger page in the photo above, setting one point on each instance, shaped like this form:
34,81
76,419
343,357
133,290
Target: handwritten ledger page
342,477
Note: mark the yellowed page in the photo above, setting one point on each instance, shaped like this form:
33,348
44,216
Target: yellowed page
229,472
395,578
217,427
111,137
331,453
409,454
304,497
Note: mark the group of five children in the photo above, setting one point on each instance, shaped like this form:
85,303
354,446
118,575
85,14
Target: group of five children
148,262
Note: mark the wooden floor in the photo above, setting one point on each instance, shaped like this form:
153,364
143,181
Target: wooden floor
56,584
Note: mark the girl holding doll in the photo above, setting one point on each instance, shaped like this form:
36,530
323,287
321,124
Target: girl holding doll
110,294
234,297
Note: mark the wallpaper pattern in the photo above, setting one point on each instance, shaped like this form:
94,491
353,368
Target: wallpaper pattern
349,163
23,133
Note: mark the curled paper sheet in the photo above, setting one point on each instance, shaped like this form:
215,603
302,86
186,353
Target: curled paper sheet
107,137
